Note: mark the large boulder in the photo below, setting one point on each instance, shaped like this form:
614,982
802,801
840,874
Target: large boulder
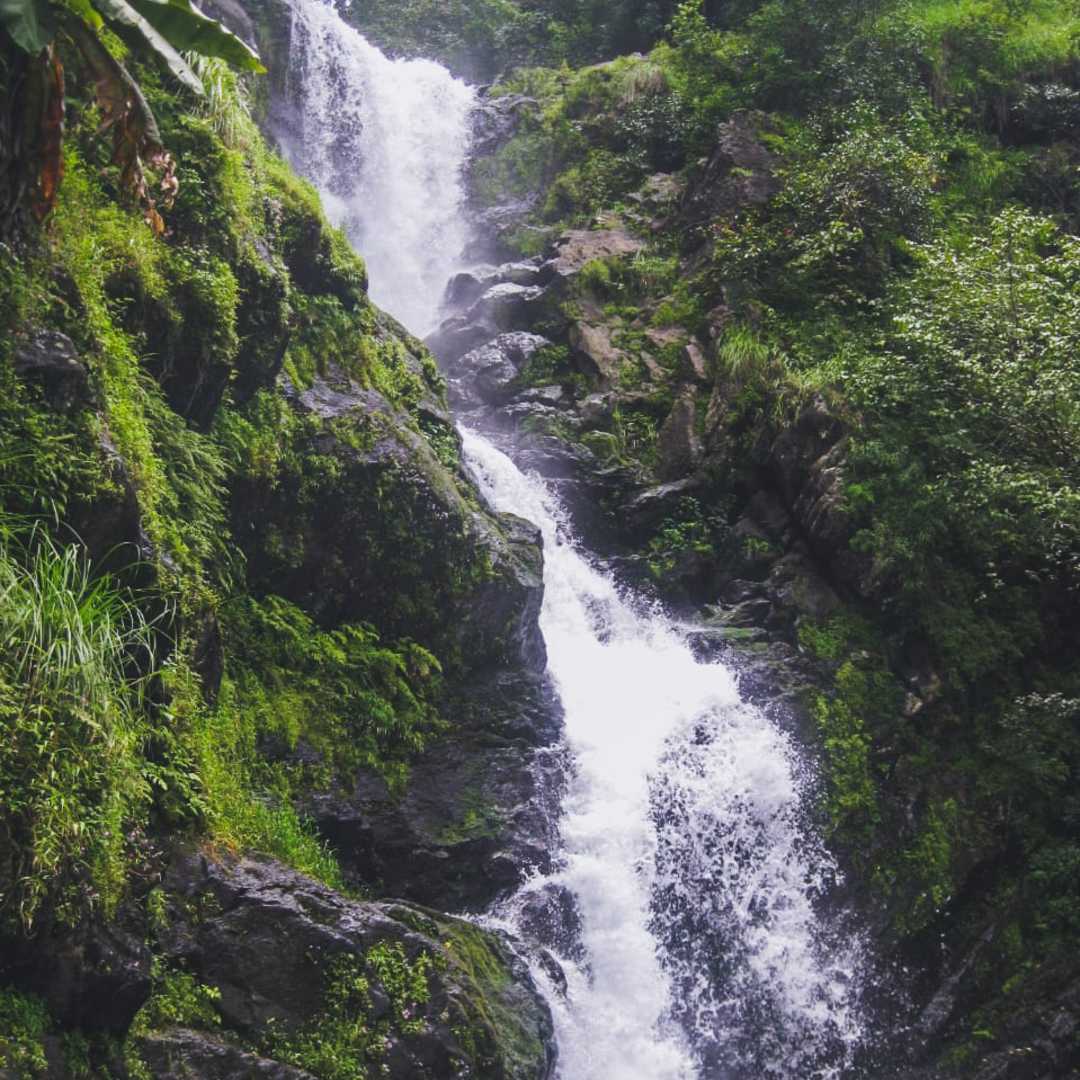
478,811
428,996
488,374
578,247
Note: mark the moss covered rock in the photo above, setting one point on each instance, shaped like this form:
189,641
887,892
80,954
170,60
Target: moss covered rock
270,962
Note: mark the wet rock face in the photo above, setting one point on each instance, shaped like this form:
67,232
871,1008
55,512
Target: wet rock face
385,534
477,811
495,120
182,1054
487,375
49,359
578,247
270,940
94,976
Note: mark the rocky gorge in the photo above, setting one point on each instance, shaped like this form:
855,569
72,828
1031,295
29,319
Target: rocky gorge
344,791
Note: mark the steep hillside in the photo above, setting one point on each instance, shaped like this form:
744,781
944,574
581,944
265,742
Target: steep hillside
244,584
790,316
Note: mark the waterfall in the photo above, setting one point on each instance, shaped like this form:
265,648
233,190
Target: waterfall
688,868
384,141
685,846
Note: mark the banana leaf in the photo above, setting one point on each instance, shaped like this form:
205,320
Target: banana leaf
28,22
187,28
122,12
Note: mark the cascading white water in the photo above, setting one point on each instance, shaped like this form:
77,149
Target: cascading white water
684,846
701,956
384,141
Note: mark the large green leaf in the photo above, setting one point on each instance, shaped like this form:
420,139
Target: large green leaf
28,23
122,12
187,28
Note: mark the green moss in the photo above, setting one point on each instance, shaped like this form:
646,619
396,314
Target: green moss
494,1029
243,801
478,818
178,999
345,1042
927,865
24,1023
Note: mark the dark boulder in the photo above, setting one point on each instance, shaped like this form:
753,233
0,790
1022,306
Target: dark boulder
94,976
488,374
477,811
678,444
578,247
269,941
48,359
457,335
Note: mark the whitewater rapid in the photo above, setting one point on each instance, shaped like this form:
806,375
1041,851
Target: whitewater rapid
685,846
698,950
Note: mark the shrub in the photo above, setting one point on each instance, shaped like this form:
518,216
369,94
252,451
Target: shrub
75,657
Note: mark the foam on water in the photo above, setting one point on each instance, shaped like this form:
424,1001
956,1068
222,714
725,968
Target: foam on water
685,846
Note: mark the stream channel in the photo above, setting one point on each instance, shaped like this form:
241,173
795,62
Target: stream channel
689,868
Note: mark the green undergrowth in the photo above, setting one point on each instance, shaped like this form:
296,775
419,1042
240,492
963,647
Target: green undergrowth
345,1040
122,718
24,1023
76,655
357,702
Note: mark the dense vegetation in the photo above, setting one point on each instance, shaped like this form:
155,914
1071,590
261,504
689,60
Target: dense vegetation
902,258
480,39
898,255
168,676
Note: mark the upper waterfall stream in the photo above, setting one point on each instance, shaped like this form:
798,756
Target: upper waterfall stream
686,846
384,141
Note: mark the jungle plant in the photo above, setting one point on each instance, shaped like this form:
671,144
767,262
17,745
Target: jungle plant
43,29
75,658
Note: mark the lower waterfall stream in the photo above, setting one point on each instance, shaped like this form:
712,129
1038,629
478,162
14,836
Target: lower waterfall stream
684,845
686,848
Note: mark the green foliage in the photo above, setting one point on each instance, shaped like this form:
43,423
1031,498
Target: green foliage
691,530
631,439
75,656
968,463
222,779
178,1000
357,701
927,865
861,706
482,38
838,636
549,364
24,1022
344,1041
